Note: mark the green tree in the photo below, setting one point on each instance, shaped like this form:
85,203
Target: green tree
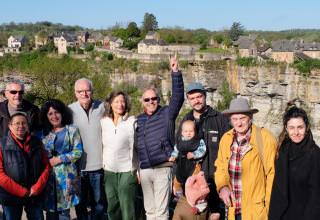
89,47
218,38
149,23
55,77
120,32
170,39
227,96
236,30
133,30
42,36
49,47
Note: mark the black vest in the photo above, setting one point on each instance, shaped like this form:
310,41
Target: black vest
25,169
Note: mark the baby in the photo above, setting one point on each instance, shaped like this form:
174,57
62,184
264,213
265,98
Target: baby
188,152
188,143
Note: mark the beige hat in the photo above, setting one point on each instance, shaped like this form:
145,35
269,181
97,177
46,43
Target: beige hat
239,105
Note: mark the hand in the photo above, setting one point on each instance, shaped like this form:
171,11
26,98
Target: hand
190,155
214,216
138,177
174,64
172,159
55,161
178,192
226,195
32,192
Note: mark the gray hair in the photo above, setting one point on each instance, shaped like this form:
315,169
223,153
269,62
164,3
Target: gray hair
14,81
152,88
85,80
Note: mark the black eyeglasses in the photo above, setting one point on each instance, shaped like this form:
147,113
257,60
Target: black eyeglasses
13,92
152,99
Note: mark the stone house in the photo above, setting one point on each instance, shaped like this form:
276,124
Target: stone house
95,38
65,41
312,50
284,50
115,43
246,46
15,43
112,43
152,44
82,37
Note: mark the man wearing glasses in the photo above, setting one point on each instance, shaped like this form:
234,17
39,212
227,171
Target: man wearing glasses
86,116
154,140
14,102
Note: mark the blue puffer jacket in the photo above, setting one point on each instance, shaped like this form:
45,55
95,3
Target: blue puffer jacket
155,133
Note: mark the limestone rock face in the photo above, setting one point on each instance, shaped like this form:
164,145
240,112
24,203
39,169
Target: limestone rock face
267,87
270,88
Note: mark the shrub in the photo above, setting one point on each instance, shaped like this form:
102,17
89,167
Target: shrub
246,61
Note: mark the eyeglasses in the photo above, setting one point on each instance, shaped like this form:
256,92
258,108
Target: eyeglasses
13,92
152,99
16,124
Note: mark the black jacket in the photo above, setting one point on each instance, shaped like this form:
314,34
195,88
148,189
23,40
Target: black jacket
210,127
31,110
25,169
296,187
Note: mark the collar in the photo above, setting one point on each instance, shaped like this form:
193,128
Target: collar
246,138
23,144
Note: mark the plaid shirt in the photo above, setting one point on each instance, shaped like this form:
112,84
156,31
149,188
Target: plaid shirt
238,148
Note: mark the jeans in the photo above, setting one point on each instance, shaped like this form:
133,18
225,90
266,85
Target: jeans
62,215
33,212
238,217
92,183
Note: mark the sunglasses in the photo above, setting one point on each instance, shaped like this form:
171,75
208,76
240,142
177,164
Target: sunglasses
152,99
13,92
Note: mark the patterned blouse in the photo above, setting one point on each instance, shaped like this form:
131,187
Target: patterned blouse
64,178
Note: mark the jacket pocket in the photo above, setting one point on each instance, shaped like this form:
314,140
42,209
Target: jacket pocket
165,147
259,211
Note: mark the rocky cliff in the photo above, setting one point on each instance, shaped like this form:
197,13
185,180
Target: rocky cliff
268,88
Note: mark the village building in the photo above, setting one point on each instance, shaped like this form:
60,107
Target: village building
82,37
112,43
247,46
95,38
15,43
64,41
284,50
312,50
152,44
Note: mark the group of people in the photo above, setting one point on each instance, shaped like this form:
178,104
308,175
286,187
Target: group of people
61,157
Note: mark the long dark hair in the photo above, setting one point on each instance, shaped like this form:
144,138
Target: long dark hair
107,105
59,106
292,111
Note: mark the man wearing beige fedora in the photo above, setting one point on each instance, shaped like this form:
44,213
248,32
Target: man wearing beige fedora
245,165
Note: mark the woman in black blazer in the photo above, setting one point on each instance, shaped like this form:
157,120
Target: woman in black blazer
296,187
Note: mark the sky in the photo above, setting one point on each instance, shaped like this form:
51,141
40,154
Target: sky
190,14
